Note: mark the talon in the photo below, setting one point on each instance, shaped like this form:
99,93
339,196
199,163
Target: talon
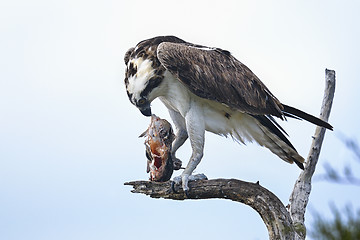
173,187
177,163
174,182
187,193
183,181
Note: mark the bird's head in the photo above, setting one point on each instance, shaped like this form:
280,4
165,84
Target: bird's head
144,75
144,72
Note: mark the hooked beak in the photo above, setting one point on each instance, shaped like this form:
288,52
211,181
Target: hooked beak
144,106
146,111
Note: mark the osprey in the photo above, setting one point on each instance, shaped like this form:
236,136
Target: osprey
208,89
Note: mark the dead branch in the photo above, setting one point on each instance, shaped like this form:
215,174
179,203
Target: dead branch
270,208
280,223
300,195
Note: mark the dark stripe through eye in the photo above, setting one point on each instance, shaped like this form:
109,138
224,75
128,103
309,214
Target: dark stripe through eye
152,83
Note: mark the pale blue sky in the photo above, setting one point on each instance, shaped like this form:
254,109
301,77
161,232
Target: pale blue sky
68,134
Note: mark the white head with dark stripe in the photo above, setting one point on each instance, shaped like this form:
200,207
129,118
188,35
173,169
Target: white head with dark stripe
144,73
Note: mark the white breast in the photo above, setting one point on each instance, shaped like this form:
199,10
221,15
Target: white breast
218,118
174,94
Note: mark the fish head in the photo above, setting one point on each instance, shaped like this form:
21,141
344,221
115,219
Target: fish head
161,130
159,138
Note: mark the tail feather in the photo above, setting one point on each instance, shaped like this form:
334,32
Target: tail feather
274,139
268,133
281,149
296,113
269,122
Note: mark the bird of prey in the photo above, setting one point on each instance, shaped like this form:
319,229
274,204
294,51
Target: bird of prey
206,88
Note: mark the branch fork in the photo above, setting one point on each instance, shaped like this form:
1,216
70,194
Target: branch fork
282,222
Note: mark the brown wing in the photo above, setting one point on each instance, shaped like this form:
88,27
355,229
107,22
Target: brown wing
216,75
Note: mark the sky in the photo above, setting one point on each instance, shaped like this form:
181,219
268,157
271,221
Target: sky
69,135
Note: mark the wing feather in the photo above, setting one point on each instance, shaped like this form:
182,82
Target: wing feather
216,75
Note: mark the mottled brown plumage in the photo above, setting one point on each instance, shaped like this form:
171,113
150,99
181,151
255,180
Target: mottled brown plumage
216,75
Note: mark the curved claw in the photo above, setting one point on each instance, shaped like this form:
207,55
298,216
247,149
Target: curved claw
173,187
174,182
187,193
177,163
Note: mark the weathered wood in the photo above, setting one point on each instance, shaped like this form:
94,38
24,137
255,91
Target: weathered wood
280,223
270,208
300,195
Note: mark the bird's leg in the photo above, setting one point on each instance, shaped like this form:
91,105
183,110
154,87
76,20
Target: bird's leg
196,130
180,136
186,175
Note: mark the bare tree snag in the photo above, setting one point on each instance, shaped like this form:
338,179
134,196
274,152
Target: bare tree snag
281,223
300,196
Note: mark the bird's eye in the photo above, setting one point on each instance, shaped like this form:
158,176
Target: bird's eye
162,133
141,101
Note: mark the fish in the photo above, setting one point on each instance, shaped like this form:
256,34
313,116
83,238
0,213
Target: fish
158,142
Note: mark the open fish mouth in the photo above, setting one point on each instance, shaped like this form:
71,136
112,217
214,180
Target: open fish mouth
159,138
160,170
